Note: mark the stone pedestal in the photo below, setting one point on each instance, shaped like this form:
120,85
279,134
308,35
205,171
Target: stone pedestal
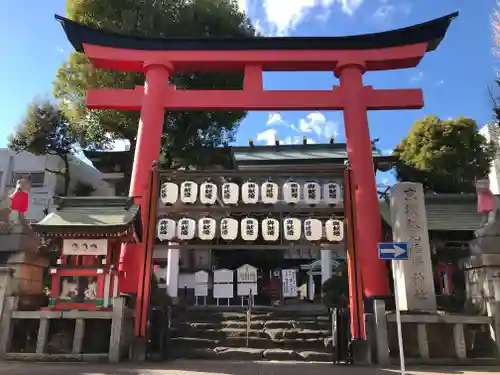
18,251
482,276
28,270
6,274
414,277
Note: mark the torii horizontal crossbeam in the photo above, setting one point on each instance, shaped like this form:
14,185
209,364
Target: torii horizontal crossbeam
264,100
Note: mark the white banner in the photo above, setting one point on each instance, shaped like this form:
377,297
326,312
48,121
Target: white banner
85,247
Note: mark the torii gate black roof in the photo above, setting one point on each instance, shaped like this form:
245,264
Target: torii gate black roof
431,32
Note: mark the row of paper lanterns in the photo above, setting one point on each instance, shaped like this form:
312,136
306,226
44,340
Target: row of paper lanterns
292,228
251,193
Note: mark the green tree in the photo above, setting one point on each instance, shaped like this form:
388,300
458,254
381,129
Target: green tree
45,130
336,288
446,156
183,131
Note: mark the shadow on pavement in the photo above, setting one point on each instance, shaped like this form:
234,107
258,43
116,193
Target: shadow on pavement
186,367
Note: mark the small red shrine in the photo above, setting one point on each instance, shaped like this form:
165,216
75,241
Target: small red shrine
88,233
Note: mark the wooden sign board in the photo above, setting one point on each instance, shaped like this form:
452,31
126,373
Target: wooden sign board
85,247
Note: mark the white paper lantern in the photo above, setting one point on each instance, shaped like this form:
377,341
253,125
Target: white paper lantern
230,193
206,228
208,193
189,192
312,193
229,229
249,229
185,229
270,229
169,193
313,229
269,192
166,229
292,229
291,192
331,193
334,230
250,192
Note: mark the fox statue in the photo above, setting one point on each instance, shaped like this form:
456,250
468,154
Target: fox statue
14,206
487,206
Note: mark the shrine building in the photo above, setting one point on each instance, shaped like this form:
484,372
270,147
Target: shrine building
175,269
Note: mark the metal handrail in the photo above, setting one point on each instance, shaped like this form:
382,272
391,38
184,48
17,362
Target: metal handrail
249,316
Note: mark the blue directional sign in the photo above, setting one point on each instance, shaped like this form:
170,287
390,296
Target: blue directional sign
393,251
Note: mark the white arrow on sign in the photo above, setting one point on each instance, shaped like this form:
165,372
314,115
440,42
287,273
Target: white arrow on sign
396,251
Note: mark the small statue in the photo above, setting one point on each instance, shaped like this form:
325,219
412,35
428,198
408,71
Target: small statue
488,209
13,209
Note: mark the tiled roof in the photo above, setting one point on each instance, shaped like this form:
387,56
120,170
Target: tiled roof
446,212
91,216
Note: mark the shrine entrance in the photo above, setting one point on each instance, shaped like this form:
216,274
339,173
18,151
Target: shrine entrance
270,265
346,57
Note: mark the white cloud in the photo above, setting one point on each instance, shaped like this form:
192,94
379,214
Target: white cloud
267,136
295,140
315,122
60,49
270,136
283,16
274,118
387,151
314,126
417,77
440,82
386,13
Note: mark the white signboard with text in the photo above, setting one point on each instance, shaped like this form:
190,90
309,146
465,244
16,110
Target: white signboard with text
223,283
289,283
85,247
247,280
201,284
246,274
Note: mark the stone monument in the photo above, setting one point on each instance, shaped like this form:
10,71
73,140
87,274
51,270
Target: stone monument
482,267
414,277
19,245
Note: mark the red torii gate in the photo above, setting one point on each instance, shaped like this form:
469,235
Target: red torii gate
348,57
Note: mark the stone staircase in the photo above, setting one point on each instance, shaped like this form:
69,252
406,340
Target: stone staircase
276,333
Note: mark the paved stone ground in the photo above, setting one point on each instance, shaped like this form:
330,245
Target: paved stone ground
223,368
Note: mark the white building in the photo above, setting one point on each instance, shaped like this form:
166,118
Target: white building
44,184
491,134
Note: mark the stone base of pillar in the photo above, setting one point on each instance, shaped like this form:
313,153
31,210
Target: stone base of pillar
482,275
361,353
138,350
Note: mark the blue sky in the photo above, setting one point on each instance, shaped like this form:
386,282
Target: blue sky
455,78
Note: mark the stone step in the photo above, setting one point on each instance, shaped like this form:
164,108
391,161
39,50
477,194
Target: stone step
253,342
220,314
257,324
273,334
284,309
250,354
242,317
